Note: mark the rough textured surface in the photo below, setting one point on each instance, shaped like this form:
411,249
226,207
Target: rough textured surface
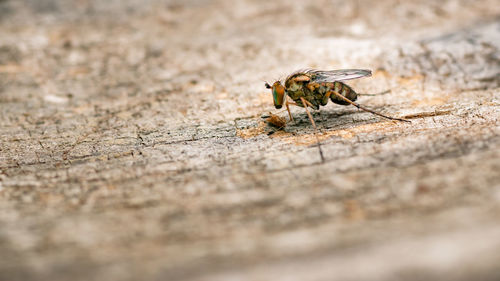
133,143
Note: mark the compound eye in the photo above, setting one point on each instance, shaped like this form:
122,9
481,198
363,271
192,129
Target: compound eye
278,95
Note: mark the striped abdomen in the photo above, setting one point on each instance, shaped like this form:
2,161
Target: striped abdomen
344,90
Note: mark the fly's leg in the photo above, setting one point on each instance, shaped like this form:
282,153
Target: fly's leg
306,103
377,94
288,108
325,99
364,108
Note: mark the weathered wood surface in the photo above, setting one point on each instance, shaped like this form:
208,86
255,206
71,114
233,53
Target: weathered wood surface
133,148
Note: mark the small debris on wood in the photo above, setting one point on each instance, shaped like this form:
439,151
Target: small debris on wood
276,121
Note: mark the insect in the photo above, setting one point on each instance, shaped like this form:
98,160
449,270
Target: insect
276,121
313,88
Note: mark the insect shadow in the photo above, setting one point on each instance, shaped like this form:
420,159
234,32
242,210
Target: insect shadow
329,119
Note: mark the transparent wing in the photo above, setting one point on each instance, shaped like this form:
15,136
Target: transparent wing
337,75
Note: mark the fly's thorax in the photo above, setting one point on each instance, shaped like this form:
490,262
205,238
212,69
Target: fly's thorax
294,86
295,90
297,86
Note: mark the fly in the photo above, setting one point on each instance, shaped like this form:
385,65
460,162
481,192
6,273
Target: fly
313,88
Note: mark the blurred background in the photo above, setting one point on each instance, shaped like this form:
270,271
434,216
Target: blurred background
133,145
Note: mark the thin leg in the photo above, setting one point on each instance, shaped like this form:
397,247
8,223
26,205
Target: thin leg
306,103
377,94
288,108
366,109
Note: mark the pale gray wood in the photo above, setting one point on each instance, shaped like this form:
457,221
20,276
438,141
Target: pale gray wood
132,143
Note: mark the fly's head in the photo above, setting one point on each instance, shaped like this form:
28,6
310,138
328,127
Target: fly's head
278,93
